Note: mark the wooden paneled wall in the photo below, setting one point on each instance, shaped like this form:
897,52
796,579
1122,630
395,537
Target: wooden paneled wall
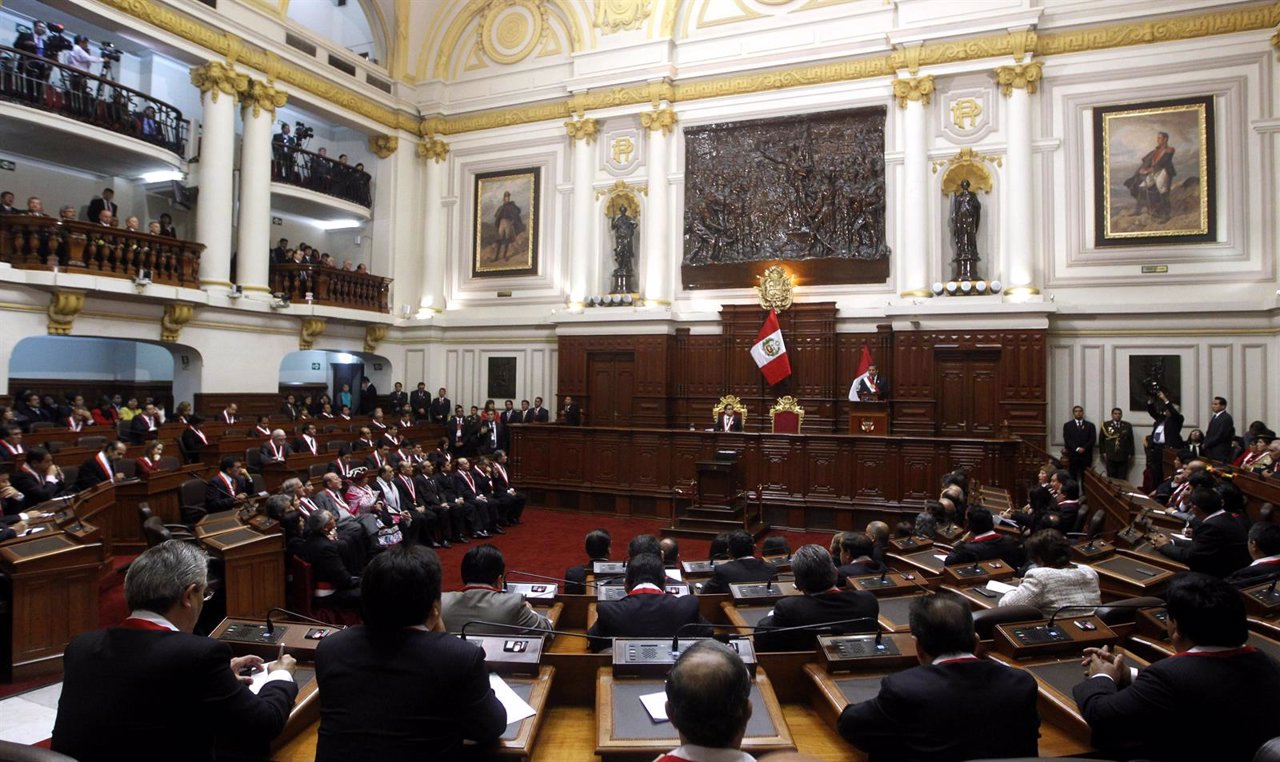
92,390
679,378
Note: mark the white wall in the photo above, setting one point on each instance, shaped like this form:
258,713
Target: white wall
72,358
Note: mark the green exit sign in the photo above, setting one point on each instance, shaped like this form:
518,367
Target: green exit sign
1154,269
9,165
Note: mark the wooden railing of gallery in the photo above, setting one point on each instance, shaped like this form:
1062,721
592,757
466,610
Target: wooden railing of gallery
332,287
48,243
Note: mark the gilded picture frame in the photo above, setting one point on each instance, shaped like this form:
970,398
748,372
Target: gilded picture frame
505,223
1155,173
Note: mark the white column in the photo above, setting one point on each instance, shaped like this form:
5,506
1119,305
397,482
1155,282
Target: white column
436,152
253,239
913,254
1018,83
218,84
582,250
657,266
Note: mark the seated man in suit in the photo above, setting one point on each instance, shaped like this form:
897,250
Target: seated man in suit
136,690
192,440
597,545
1063,514
101,467
483,598
1264,547
276,449
39,479
1219,545
933,712
227,488
145,426
744,567
11,442
709,704
986,544
856,549
334,584
1233,687
640,544
821,604
307,444
398,687
648,611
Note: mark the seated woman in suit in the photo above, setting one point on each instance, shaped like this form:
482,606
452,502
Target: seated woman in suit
149,462
1053,581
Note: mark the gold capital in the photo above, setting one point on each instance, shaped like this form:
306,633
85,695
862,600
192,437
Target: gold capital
310,330
582,129
618,15
918,89
383,146
262,95
1275,39
1020,76
64,306
659,119
433,148
374,333
176,315
216,77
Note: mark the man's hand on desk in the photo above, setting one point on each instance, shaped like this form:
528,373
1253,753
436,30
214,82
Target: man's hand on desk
252,664
1101,661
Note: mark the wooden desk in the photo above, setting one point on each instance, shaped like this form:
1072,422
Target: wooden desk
55,598
161,492
625,732
978,596
925,561
518,739
1128,576
276,474
869,419
252,570
893,612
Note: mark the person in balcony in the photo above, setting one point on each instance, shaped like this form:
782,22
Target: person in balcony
6,203
166,226
105,201
132,225
35,207
35,72
148,126
321,171
153,228
81,59
67,212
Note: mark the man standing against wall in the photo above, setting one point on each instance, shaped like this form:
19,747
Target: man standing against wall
1115,444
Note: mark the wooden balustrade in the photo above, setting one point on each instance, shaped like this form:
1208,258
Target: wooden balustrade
49,243
331,287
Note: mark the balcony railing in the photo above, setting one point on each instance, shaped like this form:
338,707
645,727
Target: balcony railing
331,286
307,169
48,85
47,243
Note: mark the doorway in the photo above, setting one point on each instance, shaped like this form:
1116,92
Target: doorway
968,393
349,374
611,381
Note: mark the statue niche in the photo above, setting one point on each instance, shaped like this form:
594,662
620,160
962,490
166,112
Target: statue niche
808,190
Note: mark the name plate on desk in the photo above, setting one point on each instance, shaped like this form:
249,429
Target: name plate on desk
653,657
1065,635
252,632
697,568
911,544
510,654
608,567
893,583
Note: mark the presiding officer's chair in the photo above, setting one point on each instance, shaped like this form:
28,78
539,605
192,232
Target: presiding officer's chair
786,416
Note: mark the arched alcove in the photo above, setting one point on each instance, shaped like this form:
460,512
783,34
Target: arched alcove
325,370
92,366
352,26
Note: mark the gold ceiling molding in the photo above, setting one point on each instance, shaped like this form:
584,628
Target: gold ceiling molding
383,146
262,96
1189,27
918,89
216,77
433,148
487,11
1019,77
309,330
621,15
583,129
176,315
64,306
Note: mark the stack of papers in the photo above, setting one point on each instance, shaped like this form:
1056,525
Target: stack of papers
656,705
1000,587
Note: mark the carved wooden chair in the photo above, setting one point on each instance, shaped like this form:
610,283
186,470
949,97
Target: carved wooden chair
786,416
732,401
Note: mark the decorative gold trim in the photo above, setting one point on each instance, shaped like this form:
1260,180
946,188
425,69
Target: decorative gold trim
621,193
786,404
1019,76
262,96
733,401
966,165
582,129
433,148
258,289
374,333
918,89
619,15
64,306
216,77
775,287
1022,291
176,315
916,292
383,146
1024,42
659,119
309,330
226,283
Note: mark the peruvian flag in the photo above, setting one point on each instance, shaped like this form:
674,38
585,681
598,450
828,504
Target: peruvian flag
769,352
865,362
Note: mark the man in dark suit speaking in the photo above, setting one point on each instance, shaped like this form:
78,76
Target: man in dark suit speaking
942,709
1234,688
150,690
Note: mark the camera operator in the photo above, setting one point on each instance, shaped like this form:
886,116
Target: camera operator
37,42
80,59
282,145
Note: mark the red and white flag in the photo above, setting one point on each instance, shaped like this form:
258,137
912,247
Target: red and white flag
865,362
769,352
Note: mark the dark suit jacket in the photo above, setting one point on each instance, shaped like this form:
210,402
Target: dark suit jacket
573,415
35,490
1004,547
1172,422
1218,437
398,400
268,455
860,569
368,399
139,432
97,205
90,474
646,615
1218,547
216,497
159,695
1235,698
402,696
537,415
943,712
190,446
739,570
1084,435
1254,575
420,401
576,577
326,563
736,425
831,606
441,409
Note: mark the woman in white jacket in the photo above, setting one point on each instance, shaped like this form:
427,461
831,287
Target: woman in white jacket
1053,581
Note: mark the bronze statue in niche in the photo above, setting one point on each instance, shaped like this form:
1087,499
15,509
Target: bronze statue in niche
796,188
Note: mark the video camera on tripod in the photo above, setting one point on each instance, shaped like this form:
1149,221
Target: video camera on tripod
57,41
109,51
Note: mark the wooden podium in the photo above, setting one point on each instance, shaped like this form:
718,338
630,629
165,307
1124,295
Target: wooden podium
253,569
719,505
869,419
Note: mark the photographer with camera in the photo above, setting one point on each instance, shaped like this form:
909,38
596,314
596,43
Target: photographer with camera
1166,432
282,145
37,41
82,59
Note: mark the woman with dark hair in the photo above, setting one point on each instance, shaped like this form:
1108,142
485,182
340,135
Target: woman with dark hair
105,413
149,462
933,516
1034,516
1053,581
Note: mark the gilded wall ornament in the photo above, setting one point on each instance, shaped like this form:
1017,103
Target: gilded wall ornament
309,331
1019,77
383,146
619,15
433,148
64,306
659,119
216,77
918,89
775,288
966,165
262,96
176,315
374,333
582,129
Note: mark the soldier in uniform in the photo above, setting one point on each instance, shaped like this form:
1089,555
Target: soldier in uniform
1115,442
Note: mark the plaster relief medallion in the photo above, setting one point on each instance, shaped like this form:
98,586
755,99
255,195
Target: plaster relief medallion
966,115
622,153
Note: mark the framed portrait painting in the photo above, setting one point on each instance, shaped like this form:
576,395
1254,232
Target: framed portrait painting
1154,176
506,223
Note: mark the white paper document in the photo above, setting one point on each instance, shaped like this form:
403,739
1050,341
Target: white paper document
940,556
656,705
996,586
517,708
260,677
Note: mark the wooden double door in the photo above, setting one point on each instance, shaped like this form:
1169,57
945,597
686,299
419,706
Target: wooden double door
611,384
968,388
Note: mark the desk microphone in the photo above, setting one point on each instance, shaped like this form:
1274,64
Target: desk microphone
1094,609
522,629
271,628
816,628
1092,537
562,580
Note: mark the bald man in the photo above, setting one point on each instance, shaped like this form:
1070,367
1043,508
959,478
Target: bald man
709,703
